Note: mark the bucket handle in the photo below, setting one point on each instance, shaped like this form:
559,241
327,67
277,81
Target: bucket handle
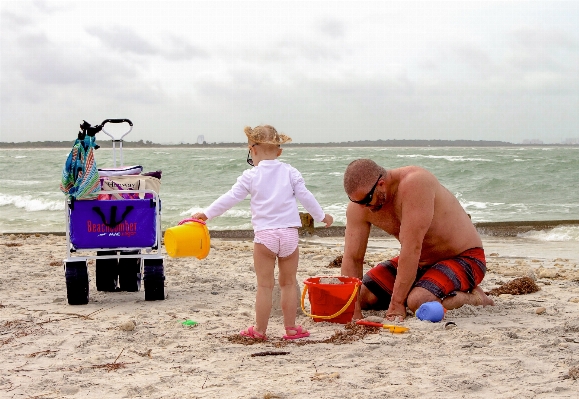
191,220
339,312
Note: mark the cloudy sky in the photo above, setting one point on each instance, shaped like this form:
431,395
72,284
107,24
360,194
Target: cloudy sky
318,71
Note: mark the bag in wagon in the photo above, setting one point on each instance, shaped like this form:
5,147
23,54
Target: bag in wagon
129,183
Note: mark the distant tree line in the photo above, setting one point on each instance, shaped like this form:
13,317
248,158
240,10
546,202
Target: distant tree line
362,143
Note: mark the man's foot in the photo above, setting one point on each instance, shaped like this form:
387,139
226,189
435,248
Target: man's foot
482,298
476,297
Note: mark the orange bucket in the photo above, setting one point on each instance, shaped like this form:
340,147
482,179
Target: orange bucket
189,238
331,302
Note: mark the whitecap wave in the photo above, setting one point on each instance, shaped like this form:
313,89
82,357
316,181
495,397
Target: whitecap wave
237,213
8,182
451,158
231,213
30,204
190,211
559,233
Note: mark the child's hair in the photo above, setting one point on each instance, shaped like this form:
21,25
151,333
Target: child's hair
266,134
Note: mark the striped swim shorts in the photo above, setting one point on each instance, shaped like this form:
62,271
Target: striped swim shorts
282,242
460,273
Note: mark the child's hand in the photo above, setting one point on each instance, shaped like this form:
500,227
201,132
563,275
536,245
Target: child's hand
328,220
199,215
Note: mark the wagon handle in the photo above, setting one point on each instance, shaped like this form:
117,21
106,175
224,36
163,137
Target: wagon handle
114,140
117,121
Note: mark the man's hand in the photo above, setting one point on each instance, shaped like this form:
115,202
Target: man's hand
328,220
396,312
199,215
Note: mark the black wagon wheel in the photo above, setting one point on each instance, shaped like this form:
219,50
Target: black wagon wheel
130,272
76,275
106,272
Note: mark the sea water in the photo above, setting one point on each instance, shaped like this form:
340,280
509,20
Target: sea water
492,183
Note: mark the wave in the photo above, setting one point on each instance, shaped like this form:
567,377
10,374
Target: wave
559,233
8,182
231,213
31,204
451,158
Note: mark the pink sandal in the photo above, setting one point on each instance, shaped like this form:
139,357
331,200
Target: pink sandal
299,333
253,334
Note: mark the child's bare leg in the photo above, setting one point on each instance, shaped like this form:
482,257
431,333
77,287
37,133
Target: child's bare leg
288,268
264,263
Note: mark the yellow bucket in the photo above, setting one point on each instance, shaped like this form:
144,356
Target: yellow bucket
189,238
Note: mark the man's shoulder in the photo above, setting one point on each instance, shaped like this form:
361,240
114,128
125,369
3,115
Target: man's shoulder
416,175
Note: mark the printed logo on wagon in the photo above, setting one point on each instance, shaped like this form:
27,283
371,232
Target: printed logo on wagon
125,229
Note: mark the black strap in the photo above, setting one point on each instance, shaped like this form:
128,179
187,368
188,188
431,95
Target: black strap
113,222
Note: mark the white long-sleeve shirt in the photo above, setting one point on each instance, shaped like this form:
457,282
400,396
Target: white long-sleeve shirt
274,187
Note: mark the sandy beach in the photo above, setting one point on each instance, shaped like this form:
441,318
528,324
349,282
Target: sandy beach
121,346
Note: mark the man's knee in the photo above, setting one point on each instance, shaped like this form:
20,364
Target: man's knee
418,296
367,299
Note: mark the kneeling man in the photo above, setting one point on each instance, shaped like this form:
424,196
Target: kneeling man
441,255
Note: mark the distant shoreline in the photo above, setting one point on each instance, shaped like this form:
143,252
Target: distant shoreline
491,229
104,143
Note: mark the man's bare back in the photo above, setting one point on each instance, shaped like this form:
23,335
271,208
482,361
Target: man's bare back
410,204
450,230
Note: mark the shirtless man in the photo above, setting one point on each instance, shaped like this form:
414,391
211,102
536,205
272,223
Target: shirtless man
441,255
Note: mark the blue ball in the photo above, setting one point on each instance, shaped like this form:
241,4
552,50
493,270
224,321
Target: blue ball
431,311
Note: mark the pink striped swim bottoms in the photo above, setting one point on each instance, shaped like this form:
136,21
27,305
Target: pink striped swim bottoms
282,242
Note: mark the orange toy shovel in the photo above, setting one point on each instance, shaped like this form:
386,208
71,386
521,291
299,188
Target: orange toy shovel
393,329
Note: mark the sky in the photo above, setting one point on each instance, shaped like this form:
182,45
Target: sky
318,71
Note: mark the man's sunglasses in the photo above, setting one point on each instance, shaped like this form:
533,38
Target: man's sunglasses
368,198
249,160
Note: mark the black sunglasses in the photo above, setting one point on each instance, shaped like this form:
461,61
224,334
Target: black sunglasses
368,198
249,160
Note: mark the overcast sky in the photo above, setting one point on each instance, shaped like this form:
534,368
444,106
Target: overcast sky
318,71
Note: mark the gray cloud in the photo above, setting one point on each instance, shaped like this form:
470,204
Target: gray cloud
46,64
41,70
332,28
472,55
123,39
179,48
14,20
536,49
50,8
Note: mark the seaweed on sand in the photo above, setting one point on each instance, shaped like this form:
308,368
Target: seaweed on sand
518,286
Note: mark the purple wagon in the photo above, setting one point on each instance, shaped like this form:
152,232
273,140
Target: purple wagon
123,236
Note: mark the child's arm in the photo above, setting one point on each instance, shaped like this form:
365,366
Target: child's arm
235,195
328,220
308,200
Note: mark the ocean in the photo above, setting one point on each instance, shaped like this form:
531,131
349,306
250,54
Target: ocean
493,184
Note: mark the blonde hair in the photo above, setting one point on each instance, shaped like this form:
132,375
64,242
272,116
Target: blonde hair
266,134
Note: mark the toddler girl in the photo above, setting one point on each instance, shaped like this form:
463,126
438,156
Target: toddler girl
274,187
